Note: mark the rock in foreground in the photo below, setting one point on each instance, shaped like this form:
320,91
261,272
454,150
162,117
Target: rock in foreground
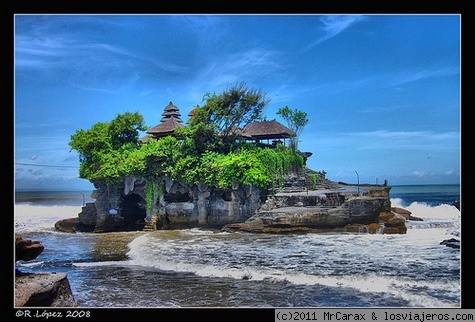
39,289
43,289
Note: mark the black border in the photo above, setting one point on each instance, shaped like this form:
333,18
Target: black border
10,8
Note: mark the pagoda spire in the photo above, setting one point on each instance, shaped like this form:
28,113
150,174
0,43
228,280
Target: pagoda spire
171,111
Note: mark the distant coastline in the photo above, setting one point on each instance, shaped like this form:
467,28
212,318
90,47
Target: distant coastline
90,190
71,197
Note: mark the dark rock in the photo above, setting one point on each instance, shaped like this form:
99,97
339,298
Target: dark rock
72,225
305,201
43,289
393,223
325,211
39,289
401,211
405,213
451,242
27,249
456,204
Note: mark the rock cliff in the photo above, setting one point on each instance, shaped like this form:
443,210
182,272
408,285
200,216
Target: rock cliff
346,209
303,202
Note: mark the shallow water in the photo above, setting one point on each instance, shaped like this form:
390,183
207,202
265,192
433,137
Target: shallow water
208,268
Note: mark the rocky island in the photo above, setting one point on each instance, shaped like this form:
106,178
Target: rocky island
299,206
216,173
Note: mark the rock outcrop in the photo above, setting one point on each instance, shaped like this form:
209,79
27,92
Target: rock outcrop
451,242
405,213
456,204
39,289
341,210
303,202
27,249
123,207
43,290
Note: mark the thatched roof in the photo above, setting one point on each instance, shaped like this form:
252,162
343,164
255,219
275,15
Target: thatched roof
169,122
167,127
239,132
166,117
171,107
171,111
144,138
175,114
190,115
268,130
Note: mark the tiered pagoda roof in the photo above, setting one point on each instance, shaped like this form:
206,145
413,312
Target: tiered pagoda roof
171,111
170,121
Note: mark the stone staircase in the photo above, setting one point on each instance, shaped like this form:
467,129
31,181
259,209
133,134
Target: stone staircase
151,225
304,181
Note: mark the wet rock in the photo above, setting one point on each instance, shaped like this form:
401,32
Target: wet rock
451,242
456,204
39,289
27,249
43,289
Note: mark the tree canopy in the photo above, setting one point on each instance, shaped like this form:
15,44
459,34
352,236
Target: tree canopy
104,146
296,121
222,114
204,151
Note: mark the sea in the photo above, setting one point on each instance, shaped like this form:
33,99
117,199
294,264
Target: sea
201,268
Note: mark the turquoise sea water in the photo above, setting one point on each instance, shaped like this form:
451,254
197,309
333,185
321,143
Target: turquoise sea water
195,268
432,195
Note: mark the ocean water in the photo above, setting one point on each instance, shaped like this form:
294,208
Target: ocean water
196,268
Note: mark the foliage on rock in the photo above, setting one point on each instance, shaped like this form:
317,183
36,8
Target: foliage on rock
152,192
206,152
105,148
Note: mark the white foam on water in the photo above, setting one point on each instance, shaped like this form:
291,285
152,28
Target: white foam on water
144,251
41,218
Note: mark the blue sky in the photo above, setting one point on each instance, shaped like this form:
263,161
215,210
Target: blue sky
382,92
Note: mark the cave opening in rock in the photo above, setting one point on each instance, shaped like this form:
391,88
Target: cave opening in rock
133,210
227,195
177,197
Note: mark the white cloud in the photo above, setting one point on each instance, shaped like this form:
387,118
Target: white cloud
418,173
334,25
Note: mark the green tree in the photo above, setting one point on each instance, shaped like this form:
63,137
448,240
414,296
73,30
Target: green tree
125,128
234,108
111,151
104,148
296,121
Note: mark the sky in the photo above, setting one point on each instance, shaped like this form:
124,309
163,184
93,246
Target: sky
382,91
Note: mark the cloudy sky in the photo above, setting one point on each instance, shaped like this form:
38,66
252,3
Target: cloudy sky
382,92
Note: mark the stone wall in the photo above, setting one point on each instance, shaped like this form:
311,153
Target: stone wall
363,208
123,206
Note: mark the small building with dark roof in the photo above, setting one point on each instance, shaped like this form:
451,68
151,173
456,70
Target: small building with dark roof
267,130
167,127
263,130
170,121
